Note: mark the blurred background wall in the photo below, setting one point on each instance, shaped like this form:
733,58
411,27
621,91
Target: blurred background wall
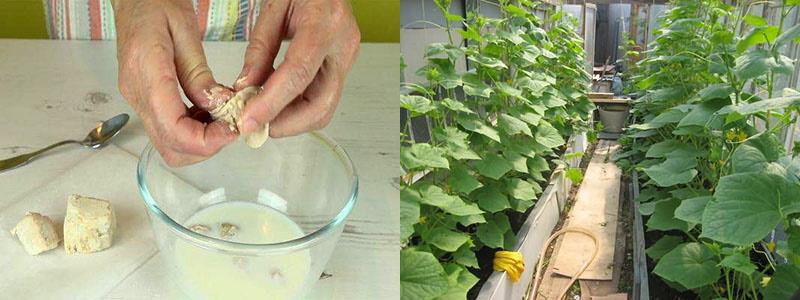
377,19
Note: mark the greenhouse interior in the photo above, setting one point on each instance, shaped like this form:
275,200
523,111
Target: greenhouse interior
602,149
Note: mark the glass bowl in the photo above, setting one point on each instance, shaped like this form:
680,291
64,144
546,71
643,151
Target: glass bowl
250,223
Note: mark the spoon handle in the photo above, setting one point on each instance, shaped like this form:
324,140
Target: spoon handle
19,160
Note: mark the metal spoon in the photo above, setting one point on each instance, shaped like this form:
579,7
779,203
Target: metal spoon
97,138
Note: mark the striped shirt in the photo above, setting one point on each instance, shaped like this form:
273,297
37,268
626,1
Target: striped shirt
218,20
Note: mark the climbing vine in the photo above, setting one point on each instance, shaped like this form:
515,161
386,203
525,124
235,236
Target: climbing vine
496,130
716,178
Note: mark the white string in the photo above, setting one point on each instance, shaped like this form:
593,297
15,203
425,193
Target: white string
424,18
423,9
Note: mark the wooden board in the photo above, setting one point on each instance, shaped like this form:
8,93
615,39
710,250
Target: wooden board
617,296
591,289
552,284
596,209
641,284
610,101
601,95
600,288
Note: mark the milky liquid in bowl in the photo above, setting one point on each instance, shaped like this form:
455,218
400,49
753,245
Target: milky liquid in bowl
211,275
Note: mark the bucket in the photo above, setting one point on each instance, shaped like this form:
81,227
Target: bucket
613,117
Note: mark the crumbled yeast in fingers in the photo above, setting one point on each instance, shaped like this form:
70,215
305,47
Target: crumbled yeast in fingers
230,111
218,95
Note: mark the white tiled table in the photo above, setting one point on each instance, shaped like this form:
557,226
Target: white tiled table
45,96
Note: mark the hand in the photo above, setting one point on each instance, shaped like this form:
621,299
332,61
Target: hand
158,48
302,94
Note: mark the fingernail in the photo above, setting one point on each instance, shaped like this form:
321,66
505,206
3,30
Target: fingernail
250,125
242,76
217,95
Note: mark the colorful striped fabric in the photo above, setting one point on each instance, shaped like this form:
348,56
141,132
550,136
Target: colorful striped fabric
219,20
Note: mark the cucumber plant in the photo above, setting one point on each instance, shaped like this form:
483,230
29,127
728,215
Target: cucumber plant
495,129
716,178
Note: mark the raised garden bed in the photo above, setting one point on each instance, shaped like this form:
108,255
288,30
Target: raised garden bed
716,182
641,284
496,133
536,229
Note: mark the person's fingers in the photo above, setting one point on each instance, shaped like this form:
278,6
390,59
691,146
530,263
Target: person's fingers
191,66
303,59
196,138
197,113
194,141
314,109
170,117
265,42
154,37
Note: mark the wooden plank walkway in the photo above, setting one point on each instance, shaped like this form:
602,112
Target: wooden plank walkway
596,209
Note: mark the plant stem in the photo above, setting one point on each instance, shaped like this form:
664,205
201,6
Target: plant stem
727,283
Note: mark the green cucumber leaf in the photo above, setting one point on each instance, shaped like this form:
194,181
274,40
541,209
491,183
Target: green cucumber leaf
445,239
422,156
691,210
759,35
662,246
470,219
784,284
523,190
466,256
462,181
491,199
493,166
518,162
663,217
692,265
409,211
474,86
460,280
455,106
747,158
716,91
548,135
672,148
672,171
738,262
417,105
490,235
511,125
421,276
747,206
455,142
477,125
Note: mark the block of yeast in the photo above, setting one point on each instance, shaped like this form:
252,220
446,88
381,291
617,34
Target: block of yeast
89,225
37,233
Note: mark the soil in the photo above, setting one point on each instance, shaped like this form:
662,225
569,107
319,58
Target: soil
625,228
658,288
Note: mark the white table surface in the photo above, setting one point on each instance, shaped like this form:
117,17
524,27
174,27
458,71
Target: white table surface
46,90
